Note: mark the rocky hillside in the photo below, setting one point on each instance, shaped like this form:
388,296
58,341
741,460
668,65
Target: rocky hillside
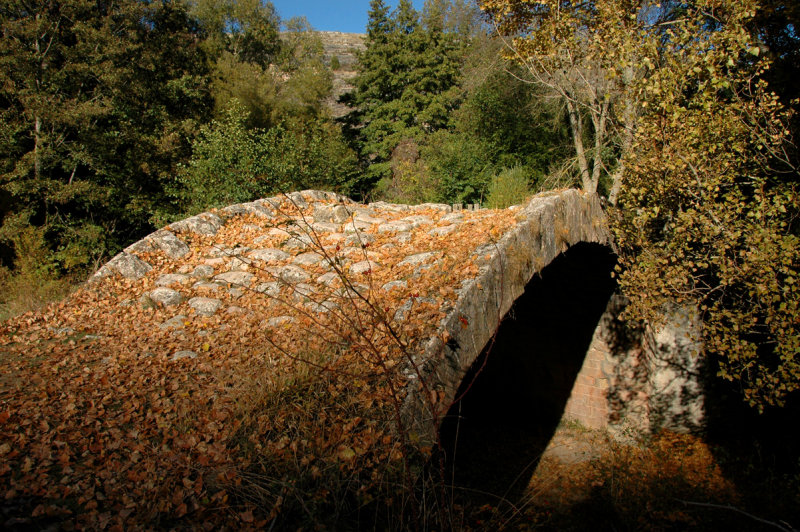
344,47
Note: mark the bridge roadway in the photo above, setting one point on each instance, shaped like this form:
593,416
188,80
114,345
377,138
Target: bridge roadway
301,249
481,328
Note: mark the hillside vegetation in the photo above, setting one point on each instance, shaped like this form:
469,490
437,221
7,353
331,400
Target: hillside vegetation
117,118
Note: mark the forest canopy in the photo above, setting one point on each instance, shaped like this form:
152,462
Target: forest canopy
111,115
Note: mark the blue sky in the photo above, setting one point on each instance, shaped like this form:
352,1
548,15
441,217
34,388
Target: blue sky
332,15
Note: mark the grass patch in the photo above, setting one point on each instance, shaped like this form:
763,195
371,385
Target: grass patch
26,291
509,187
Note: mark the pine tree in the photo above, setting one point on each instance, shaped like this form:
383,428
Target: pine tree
404,90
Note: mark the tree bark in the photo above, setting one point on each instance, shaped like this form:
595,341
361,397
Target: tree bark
599,122
576,127
629,127
37,139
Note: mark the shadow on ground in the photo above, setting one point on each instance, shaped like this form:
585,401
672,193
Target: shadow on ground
514,395
760,453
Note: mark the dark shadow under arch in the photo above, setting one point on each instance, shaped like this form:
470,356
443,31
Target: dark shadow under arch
515,392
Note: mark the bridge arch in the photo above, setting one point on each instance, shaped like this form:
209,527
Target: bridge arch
613,376
551,225
511,399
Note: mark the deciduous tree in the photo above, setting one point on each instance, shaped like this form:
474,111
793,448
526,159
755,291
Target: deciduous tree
247,29
588,55
709,200
233,163
697,148
95,101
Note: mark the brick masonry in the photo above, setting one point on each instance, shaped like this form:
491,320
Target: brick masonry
648,380
587,402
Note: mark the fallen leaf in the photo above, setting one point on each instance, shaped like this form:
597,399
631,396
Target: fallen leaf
346,454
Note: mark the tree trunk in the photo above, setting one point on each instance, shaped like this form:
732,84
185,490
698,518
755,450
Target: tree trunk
629,127
576,127
37,139
619,171
599,122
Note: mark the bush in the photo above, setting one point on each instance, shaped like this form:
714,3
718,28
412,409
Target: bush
34,281
232,164
411,181
509,187
460,166
22,292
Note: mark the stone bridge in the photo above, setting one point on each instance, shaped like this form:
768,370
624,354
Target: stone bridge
517,303
478,329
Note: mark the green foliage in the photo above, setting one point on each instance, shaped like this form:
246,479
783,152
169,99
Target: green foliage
708,203
291,79
460,166
335,63
34,281
248,83
100,104
232,163
406,87
226,165
246,29
509,187
502,122
96,103
307,80
437,81
410,181
515,123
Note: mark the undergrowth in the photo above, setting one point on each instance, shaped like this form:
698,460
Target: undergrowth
509,187
22,292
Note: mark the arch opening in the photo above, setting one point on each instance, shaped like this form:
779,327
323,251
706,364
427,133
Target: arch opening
514,394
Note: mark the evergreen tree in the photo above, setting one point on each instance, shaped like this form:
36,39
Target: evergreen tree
379,24
406,84
375,84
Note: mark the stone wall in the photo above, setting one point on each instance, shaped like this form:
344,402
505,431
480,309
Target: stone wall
645,378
